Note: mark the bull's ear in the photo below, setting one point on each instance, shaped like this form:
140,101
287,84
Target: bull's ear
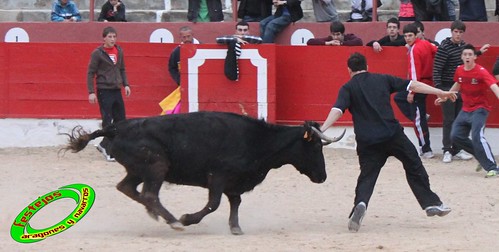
308,132
307,136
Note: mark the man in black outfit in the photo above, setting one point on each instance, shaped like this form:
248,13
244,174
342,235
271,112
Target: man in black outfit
379,135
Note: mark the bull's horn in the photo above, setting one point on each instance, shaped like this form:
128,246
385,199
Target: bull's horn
327,140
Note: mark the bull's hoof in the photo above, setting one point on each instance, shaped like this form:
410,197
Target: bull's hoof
153,215
236,231
184,219
176,226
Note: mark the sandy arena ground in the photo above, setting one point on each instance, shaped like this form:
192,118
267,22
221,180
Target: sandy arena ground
286,212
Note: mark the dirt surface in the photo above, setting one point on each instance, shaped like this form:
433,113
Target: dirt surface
286,212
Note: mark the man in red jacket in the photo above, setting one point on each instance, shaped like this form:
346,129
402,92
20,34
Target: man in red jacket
420,57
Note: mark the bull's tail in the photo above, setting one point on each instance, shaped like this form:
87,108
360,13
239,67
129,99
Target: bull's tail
79,138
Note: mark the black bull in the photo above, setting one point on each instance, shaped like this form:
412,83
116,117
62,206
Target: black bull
226,153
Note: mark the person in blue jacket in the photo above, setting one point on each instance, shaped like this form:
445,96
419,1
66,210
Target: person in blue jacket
65,11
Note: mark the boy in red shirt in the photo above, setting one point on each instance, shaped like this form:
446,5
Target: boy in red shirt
472,80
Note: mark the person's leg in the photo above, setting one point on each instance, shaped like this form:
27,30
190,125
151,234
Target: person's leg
460,132
448,115
119,113
105,100
264,23
421,124
371,160
483,152
417,177
274,27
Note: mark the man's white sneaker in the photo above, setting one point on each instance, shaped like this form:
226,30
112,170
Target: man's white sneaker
427,155
441,210
357,216
447,157
104,153
463,155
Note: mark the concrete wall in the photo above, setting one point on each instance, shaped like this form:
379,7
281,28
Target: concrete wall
170,10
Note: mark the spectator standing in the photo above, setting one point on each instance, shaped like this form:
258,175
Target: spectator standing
205,11
451,9
65,11
392,38
254,10
112,11
186,37
473,81
325,11
430,10
107,67
379,135
234,44
406,11
413,105
472,10
447,59
287,12
337,37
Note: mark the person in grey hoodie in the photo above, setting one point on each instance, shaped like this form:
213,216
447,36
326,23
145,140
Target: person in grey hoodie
107,67
325,11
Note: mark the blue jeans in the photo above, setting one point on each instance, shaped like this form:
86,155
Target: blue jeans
473,122
272,25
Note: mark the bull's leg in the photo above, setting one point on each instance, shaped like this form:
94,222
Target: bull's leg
215,187
150,192
235,201
128,186
153,176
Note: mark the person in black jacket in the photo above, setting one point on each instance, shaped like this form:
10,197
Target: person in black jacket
214,13
287,12
112,11
254,10
392,38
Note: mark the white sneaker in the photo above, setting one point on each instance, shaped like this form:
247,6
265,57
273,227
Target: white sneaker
357,216
441,210
447,157
427,155
104,153
462,155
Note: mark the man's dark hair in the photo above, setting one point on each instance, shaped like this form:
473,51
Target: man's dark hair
337,26
242,23
108,30
410,28
470,47
357,62
459,25
419,25
393,21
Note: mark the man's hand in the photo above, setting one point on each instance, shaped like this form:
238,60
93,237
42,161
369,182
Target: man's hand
333,42
377,47
445,96
92,98
410,97
484,48
127,91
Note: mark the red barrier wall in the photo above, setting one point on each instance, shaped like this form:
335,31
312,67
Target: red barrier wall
48,80
477,33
